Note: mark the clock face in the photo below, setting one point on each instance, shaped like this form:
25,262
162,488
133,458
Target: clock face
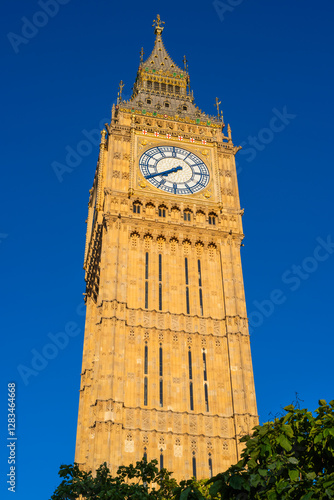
174,170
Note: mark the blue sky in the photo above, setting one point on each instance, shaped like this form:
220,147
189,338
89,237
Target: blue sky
271,65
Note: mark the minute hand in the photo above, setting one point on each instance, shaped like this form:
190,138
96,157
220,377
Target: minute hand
166,172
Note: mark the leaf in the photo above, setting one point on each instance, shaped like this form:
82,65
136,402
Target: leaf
254,480
293,460
281,486
322,402
215,487
328,483
236,482
185,493
311,475
284,442
272,495
251,464
288,430
318,438
307,496
293,474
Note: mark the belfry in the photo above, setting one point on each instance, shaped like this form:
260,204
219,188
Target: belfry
167,370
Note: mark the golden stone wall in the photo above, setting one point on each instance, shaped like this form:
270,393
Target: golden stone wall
114,424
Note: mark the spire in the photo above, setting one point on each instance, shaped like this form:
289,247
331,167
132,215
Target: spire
160,60
162,88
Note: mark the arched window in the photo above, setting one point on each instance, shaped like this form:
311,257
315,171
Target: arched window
149,84
187,215
212,219
136,207
162,211
194,465
210,466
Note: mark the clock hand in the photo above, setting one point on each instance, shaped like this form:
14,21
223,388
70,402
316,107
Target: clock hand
166,172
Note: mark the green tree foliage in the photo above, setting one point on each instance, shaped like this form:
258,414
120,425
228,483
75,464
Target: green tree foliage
291,458
140,482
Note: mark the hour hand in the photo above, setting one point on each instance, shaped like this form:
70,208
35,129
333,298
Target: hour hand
166,172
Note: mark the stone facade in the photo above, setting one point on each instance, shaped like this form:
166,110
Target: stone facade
167,370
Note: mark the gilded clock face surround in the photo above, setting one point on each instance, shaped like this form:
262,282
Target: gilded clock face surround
184,172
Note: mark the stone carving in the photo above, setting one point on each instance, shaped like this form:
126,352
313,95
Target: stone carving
193,423
216,328
129,446
224,426
199,245
161,421
146,418
208,425
145,439
177,423
146,320
129,418
161,321
175,322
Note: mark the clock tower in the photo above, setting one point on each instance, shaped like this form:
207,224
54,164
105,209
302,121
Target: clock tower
167,370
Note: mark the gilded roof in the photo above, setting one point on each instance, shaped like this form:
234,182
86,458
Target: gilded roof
160,59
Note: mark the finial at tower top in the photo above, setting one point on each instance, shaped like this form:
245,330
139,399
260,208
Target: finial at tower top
157,23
